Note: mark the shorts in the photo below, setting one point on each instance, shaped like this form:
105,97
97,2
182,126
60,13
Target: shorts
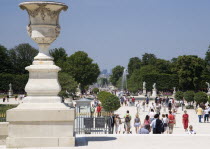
127,125
136,124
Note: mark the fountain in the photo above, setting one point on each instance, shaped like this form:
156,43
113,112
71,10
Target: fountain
124,80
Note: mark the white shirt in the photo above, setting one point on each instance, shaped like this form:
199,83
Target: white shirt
206,111
151,114
165,120
191,132
153,123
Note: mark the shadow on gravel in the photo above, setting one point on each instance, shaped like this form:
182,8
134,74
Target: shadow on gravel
83,141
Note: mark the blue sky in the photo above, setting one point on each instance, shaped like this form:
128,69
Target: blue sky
112,31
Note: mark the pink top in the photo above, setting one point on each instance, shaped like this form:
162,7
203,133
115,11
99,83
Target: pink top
146,122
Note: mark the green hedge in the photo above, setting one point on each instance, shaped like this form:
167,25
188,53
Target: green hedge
3,109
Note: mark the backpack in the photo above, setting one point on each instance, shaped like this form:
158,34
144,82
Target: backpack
159,126
127,118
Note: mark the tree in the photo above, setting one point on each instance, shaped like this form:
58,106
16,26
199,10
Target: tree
111,103
67,83
95,90
201,97
117,72
82,69
148,59
189,69
22,56
134,64
163,66
18,82
60,56
189,96
207,57
179,95
5,63
103,95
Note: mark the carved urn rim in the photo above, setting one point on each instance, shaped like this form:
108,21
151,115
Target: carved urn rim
23,4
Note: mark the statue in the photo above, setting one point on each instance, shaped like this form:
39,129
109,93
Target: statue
10,86
10,92
208,86
154,86
174,89
144,85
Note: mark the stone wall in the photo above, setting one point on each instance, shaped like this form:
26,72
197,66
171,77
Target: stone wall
3,132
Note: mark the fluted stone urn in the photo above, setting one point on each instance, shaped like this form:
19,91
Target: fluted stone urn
42,120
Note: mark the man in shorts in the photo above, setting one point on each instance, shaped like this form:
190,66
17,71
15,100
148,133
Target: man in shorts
127,122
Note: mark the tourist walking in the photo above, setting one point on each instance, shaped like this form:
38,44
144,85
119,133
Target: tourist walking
121,100
157,125
92,110
147,120
151,115
112,119
199,112
171,122
147,101
99,108
138,107
158,108
137,123
185,120
165,122
7,98
169,106
133,101
167,129
117,124
152,107
206,115
127,122
143,105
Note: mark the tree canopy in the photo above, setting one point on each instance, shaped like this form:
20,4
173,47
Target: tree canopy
82,68
117,72
22,56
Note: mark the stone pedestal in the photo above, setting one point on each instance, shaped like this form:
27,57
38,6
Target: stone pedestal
10,93
154,93
40,125
144,92
174,93
42,120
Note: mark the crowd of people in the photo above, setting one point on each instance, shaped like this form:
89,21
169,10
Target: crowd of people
156,122
160,119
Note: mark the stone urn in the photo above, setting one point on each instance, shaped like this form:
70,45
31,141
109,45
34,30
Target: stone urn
42,120
43,28
43,25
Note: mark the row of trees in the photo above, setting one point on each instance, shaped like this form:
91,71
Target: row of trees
191,96
77,68
187,72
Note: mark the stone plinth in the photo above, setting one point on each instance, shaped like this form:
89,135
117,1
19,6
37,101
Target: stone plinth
43,125
144,92
154,93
